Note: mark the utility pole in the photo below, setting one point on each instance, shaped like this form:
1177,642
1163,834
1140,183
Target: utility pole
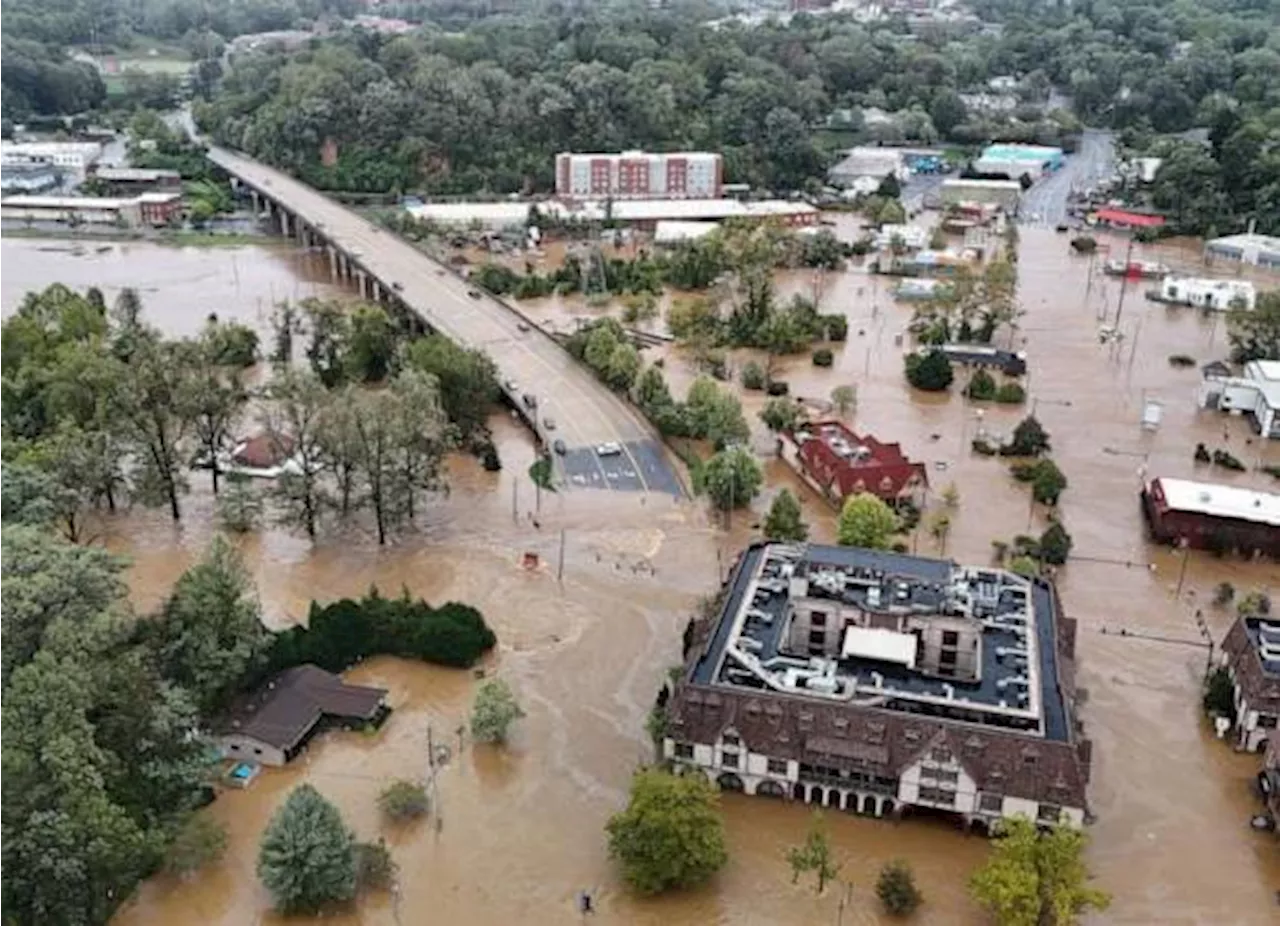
515,490
1182,572
560,567
1124,284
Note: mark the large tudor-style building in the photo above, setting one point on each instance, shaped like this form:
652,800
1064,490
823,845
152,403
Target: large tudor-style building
879,683
838,463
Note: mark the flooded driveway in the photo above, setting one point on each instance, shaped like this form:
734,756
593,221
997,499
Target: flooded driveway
521,828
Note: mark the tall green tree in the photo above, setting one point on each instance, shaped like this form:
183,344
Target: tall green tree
670,835
468,380
371,345
307,857
732,478
297,403
866,521
210,635
784,521
494,711
1032,879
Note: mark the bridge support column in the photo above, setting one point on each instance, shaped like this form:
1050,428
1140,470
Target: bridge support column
284,222
333,262
257,203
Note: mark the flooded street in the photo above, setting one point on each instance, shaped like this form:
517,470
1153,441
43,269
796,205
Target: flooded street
521,829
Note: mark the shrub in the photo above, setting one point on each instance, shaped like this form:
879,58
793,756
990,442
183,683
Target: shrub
1202,454
1024,566
1181,360
753,376
822,357
836,327
1254,604
983,447
1223,594
981,386
1029,439
778,387
896,888
494,711
200,841
1011,394
1227,461
1048,484
1220,694
929,372
375,869
344,632
1084,244
403,800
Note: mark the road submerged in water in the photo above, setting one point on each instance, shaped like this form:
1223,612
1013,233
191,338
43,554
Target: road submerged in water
520,830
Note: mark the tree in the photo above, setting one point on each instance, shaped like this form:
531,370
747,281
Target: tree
494,711
1255,333
781,414
403,800
210,634
1033,878
286,324
930,372
732,478
622,367
982,387
951,496
866,521
307,856
1029,439
156,415
813,855
340,446
670,835
784,522
240,507
753,376
371,344
844,400
375,869
294,416
330,335
1048,483
1055,544
468,380
421,435
896,888
715,414
212,399
940,529
201,841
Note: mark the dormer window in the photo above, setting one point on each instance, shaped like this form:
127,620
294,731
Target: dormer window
731,740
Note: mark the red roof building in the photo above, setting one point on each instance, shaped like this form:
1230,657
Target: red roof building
839,463
1123,218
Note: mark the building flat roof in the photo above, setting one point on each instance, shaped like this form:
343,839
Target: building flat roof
1013,152
640,210
105,203
669,231
878,644
1125,217
135,174
1017,688
1221,501
975,183
1247,240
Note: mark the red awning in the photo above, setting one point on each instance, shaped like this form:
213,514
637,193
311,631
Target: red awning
1133,219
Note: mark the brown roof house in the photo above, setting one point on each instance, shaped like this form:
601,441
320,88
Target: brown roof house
263,456
878,683
272,725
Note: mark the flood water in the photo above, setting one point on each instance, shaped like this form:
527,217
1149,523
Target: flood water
521,829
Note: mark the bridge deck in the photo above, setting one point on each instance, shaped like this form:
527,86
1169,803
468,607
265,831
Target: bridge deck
584,411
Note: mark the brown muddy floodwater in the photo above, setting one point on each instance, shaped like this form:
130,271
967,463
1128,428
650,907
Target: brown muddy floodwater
520,829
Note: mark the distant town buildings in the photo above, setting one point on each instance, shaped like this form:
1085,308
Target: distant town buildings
132,212
1251,655
1259,250
838,463
1212,517
137,179
640,175
1004,193
879,684
72,157
28,175
868,166
645,213
1256,393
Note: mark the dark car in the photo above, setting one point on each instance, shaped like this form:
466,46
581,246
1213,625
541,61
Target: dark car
473,293
559,447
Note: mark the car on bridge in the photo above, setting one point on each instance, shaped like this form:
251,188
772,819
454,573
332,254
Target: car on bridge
610,449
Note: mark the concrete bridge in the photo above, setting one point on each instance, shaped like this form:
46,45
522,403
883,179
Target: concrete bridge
572,406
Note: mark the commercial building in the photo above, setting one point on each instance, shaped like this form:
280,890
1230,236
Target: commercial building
868,163
1127,218
1251,655
272,725
1256,393
73,157
908,237
879,683
673,232
640,175
137,179
1018,161
644,214
1212,517
838,463
1259,250
1004,193
146,209
1008,362
28,175
1220,295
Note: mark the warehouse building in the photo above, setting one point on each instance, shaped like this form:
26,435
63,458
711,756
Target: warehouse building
133,212
1004,193
1259,250
1018,161
72,157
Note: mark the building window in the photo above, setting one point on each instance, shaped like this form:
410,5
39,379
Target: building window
777,766
1267,721
818,618
990,803
729,759
731,739
1049,813
817,638
950,638
940,775
938,796
684,750
947,657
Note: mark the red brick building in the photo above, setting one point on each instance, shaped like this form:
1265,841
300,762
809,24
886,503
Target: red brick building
1207,516
640,175
839,463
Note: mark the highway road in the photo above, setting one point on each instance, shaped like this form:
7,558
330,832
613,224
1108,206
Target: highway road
572,405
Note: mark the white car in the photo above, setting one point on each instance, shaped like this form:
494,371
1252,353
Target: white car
611,449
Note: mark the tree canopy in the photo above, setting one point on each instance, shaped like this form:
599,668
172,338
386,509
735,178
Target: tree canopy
307,857
866,521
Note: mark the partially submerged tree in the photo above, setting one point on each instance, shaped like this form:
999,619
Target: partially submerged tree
294,419
866,521
671,834
732,478
896,888
200,842
307,857
494,711
814,855
403,800
1033,878
784,521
